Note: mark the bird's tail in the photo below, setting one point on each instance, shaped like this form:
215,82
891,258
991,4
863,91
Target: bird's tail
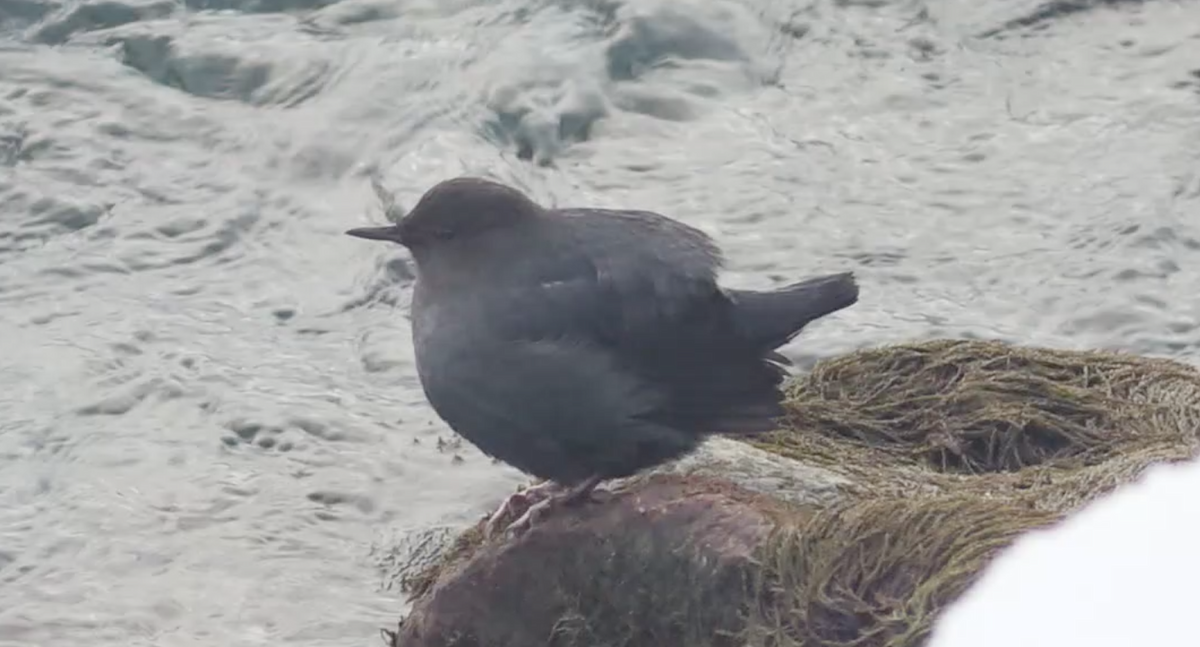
771,319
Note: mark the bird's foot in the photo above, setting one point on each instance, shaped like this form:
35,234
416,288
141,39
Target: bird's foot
578,495
532,515
518,504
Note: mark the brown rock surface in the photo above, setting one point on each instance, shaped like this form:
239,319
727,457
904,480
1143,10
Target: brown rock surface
664,563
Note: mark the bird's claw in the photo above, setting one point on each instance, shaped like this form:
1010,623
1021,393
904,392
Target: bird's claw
533,503
518,505
531,516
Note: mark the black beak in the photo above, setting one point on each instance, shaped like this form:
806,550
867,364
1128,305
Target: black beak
390,233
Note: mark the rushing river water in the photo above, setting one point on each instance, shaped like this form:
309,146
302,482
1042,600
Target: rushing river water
210,428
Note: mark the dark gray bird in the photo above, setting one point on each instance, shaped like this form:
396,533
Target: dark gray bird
579,345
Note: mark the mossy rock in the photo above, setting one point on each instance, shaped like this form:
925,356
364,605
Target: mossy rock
939,454
1043,428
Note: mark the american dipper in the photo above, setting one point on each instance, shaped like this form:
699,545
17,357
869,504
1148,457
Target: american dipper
579,345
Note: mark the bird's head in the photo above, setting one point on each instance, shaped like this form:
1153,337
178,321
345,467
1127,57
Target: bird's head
455,211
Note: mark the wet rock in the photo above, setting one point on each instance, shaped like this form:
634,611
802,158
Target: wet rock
598,574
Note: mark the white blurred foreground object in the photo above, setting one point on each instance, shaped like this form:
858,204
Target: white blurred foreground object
1122,571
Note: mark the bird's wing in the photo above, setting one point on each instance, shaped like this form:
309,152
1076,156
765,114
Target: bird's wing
599,280
653,273
647,295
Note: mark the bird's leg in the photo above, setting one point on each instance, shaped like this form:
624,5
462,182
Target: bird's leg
518,503
573,496
580,492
